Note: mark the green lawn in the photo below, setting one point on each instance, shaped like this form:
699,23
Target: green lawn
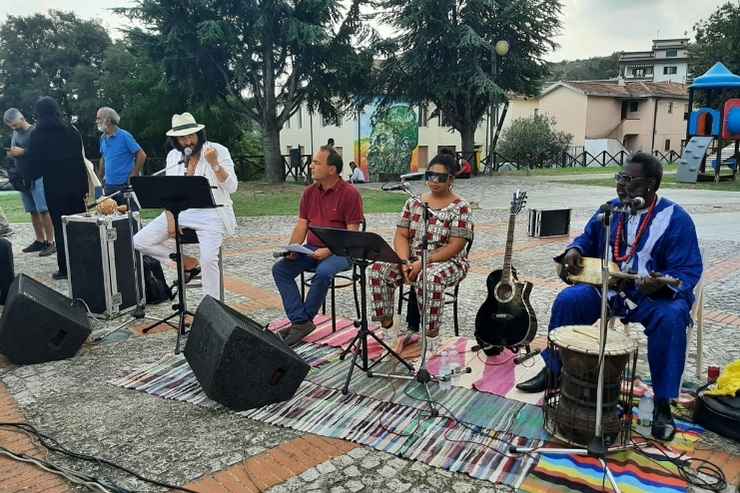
252,199
669,181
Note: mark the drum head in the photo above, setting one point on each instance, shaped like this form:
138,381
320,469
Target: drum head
585,339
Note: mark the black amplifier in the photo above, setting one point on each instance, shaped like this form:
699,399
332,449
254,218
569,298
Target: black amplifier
552,222
102,265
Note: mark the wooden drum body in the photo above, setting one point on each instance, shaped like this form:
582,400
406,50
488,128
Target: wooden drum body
570,406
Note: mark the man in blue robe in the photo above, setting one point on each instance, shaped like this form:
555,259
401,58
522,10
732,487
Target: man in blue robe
658,239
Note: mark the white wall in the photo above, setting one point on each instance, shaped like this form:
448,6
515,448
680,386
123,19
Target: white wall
680,75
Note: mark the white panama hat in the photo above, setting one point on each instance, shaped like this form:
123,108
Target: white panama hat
184,124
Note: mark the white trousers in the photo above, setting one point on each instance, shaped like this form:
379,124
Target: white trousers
154,240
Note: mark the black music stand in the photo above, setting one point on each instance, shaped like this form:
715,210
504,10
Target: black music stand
363,249
174,194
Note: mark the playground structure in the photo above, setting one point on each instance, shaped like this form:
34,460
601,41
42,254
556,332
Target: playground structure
712,128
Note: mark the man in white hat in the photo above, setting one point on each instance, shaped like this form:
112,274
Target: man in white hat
204,158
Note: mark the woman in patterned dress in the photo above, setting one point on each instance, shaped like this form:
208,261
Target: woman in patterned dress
448,230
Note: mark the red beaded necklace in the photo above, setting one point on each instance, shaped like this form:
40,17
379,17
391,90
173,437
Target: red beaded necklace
620,233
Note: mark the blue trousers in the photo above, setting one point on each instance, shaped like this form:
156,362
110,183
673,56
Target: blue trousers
665,323
285,271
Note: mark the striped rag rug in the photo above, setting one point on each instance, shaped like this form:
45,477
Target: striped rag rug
475,443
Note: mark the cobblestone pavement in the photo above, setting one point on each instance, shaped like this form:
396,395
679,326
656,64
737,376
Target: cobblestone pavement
181,443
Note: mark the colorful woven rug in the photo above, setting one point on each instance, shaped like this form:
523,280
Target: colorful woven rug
496,375
476,442
633,471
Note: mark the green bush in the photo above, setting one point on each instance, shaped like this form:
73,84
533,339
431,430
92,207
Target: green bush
533,142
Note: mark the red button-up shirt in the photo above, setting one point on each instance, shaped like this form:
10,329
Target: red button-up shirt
334,207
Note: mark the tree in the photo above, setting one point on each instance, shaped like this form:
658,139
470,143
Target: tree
595,68
442,53
261,58
717,39
533,142
58,55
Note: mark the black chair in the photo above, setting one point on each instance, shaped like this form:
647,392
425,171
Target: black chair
451,297
345,281
189,237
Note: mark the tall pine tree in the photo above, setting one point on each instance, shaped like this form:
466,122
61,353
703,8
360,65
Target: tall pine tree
443,53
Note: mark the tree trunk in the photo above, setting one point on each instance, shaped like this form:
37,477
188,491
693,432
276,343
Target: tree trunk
274,167
467,135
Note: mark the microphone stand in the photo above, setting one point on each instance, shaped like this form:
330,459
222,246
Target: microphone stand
422,375
597,448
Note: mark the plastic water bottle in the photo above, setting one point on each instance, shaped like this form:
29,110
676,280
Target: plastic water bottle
646,410
444,369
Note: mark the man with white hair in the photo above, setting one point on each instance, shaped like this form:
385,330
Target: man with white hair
121,157
31,186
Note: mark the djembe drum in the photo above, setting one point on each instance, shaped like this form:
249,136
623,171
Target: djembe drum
570,406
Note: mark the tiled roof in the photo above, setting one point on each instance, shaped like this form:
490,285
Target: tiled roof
631,89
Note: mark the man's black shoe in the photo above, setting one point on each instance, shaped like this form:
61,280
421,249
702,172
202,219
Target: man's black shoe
36,246
536,384
664,428
59,275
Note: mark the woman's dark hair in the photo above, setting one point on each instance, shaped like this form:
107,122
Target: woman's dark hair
47,113
446,158
201,140
651,167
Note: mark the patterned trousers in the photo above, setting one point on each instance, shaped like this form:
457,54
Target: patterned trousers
385,277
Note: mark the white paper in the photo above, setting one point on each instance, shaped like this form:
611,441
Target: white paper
297,249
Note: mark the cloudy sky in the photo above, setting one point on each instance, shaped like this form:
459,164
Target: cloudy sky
590,27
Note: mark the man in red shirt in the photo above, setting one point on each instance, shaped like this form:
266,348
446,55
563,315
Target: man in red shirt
329,202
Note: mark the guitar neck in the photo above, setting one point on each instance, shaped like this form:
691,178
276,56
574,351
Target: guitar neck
506,273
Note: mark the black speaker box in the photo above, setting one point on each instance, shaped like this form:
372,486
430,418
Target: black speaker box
40,324
7,272
553,222
238,363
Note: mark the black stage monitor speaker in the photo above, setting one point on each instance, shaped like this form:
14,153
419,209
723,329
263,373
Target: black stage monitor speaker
40,324
553,222
238,363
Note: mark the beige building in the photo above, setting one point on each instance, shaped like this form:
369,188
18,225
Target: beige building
602,116
641,116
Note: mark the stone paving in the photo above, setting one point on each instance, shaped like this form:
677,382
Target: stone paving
220,451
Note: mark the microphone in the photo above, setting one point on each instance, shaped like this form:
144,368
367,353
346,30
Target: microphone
185,155
278,254
637,203
416,175
393,187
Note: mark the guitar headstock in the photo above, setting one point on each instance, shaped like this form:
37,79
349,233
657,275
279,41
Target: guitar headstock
518,201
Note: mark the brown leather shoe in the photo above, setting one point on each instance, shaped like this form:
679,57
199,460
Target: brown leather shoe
296,332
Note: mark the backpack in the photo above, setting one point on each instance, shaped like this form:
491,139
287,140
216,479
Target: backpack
157,289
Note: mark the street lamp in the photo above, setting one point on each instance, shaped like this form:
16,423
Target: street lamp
501,49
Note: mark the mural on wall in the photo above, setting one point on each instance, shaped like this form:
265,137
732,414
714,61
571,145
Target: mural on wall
387,139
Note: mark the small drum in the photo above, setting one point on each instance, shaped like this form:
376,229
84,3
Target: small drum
572,406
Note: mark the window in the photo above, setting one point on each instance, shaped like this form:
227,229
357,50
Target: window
536,111
667,146
443,121
634,106
670,70
672,52
638,72
670,107
299,115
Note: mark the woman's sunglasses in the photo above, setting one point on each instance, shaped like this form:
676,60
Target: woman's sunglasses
436,177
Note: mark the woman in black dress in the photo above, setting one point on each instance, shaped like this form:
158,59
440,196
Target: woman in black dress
55,152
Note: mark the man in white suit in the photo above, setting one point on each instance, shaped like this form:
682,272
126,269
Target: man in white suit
213,161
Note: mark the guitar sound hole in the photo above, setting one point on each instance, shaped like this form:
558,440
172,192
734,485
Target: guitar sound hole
504,292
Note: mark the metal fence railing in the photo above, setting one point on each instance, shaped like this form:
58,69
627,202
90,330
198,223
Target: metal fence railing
495,161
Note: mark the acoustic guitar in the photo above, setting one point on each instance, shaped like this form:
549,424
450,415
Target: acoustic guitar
506,318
